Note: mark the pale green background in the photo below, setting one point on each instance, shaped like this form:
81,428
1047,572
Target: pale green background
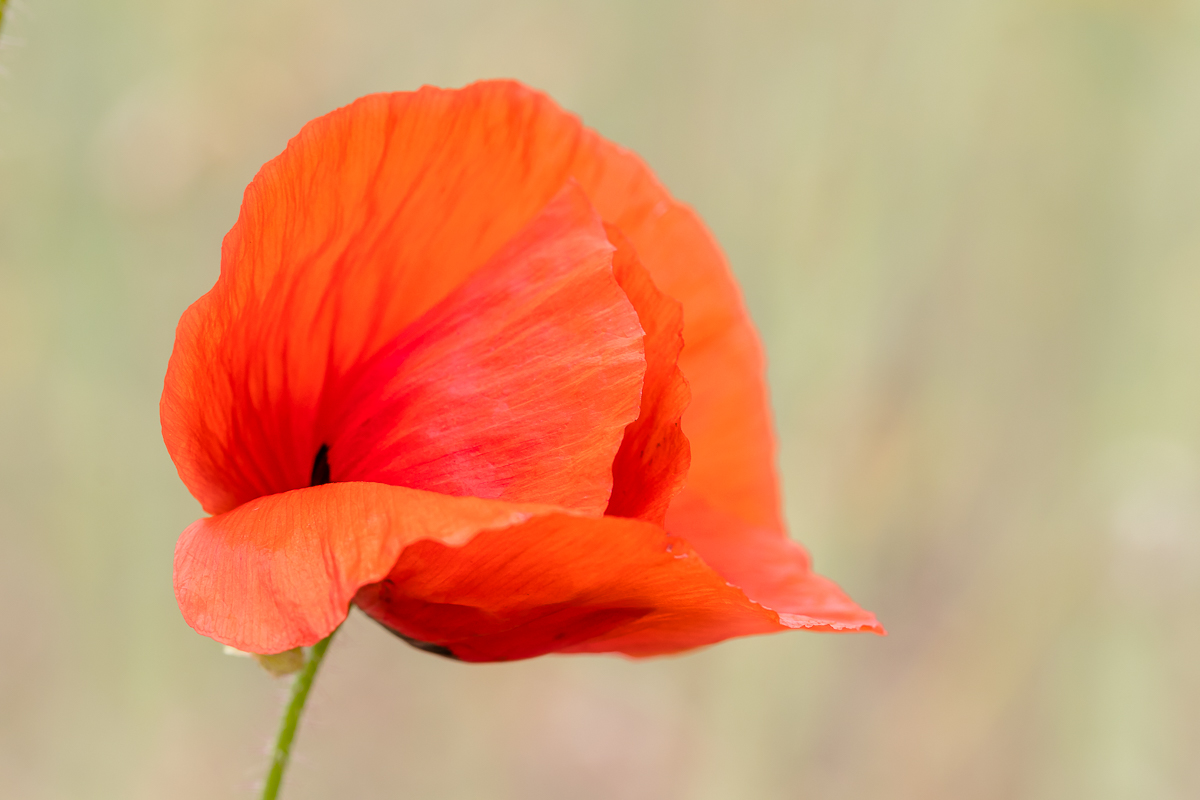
970,234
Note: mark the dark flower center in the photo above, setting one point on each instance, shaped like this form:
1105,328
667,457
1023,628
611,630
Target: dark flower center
320,470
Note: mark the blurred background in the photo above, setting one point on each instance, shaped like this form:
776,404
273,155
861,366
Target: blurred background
969,235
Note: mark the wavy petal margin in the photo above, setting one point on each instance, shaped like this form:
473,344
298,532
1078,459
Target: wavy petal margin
558,583
279,572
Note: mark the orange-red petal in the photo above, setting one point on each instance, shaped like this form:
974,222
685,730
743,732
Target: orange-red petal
279,572
652,463
371,216
771,569
728,421
558,583
517,386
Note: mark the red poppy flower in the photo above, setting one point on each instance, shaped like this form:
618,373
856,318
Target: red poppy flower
469,366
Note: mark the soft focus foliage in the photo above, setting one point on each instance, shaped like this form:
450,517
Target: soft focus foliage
967,232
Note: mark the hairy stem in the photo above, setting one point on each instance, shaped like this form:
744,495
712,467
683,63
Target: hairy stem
291,716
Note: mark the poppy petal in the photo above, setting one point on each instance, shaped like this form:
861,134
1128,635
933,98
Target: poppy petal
772,570
652,463
728,421
518,386
558,583
371,216
279,572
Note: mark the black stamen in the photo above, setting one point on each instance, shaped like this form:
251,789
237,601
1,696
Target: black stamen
320,470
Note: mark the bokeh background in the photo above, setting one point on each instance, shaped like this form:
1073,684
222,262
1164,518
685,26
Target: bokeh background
970,235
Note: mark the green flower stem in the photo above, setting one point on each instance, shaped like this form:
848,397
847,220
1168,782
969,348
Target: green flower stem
291,717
